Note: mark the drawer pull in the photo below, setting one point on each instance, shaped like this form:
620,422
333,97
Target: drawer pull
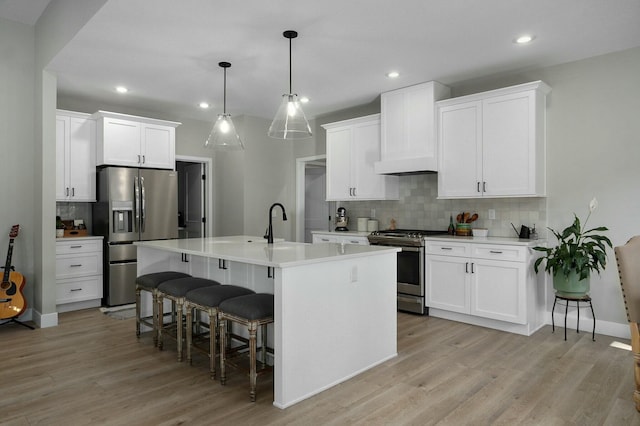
446,248
76,289
495,251
354,241
74,247
75,266
325,239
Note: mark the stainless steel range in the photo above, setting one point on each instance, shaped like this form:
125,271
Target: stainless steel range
410,272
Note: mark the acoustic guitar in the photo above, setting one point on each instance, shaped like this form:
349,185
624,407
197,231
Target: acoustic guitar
12,302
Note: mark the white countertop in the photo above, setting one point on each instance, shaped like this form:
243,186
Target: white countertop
488,240
256,251
88,237
352,233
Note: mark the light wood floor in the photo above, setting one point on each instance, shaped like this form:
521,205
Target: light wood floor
91,369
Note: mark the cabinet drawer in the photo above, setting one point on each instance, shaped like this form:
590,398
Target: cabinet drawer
319,238
79,289
79,246
499,252
448,249
74,265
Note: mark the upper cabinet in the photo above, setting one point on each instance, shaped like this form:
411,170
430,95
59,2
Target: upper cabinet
492,144
408,137
353,146
127,140
75,157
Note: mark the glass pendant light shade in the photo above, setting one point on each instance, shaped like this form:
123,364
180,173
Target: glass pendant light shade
223,135
290,121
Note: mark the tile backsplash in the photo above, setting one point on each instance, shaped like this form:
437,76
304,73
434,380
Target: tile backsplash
68,211
420,208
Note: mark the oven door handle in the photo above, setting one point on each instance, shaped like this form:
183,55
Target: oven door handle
414,249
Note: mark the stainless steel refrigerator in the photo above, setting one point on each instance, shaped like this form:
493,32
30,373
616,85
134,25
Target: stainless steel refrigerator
133,205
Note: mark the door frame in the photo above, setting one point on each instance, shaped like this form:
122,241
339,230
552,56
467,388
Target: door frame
301,164
207,188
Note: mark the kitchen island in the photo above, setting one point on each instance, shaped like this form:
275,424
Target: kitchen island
335,304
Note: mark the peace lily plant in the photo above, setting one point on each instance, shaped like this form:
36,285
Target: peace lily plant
579,252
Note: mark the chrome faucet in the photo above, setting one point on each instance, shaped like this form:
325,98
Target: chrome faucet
269,235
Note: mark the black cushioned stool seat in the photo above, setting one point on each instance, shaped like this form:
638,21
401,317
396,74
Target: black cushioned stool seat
175,290
207,299
252,311
150,283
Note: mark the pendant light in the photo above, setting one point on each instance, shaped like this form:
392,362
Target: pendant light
223,134
290,121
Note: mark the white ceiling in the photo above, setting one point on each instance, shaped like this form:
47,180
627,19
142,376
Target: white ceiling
167,51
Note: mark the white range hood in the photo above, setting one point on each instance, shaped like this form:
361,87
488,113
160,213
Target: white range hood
408,137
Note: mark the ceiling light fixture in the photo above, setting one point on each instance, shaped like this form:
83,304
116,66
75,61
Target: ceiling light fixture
223,134
524,39
204,105
121,89
290,121
393,74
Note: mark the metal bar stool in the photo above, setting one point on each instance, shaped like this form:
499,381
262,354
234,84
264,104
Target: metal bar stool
567,298
207,299
251,311
175,290
150,283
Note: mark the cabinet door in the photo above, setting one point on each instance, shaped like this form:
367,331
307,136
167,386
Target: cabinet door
509,145
339,164
460,148
120,142
365,151
82,159
158,147
62,165
447,284
498,290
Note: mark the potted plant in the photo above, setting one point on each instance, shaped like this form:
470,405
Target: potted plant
579,252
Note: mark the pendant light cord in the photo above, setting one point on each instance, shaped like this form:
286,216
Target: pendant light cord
224,96
290,69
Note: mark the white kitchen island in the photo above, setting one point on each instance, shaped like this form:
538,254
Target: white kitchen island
335,304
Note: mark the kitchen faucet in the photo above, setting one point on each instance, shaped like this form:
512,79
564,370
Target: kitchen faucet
269,235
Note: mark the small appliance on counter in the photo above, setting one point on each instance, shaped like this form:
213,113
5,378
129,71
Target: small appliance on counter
341,219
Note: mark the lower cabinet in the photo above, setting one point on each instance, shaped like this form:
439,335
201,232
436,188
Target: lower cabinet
486,281
78,273
336,237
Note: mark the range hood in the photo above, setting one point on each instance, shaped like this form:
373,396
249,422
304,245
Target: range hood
408,129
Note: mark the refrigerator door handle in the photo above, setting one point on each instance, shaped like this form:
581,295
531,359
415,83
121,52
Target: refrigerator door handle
136,196
144,205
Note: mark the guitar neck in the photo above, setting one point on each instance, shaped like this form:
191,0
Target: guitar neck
7,265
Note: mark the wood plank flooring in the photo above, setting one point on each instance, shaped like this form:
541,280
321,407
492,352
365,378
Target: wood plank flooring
91,370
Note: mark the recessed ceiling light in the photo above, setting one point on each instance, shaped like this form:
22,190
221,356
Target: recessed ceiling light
524,39
304,99
121,89
393,74
204,105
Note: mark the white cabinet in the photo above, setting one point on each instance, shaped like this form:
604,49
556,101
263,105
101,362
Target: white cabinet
353,146
336,237
492,144
408,136
125,140
482,280
78,273
75,157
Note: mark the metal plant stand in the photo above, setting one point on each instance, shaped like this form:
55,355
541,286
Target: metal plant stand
587,299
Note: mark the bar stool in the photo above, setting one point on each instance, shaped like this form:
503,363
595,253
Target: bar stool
150,283
251,311
175,290
568,298
207,299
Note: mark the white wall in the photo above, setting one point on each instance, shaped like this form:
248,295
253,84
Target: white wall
17,144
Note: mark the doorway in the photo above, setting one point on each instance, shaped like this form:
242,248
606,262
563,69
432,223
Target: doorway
194,197
312,209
